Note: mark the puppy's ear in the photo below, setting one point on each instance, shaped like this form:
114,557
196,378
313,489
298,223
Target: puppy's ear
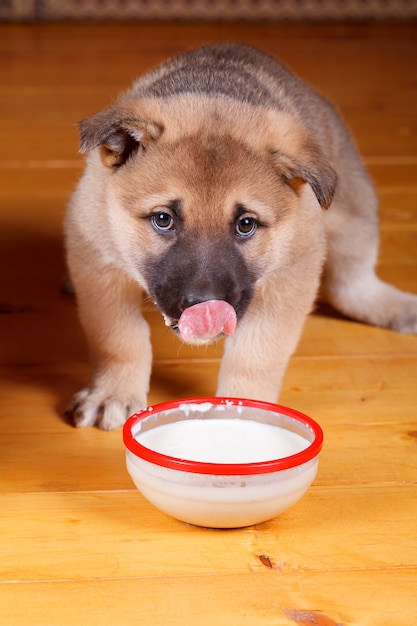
298,158
119,131
311,168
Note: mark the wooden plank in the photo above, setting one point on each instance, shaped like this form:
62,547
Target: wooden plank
370,390
403,277
267,599
120,535
358,390
39,182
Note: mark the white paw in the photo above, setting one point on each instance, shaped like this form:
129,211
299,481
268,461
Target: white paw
91,407
405,320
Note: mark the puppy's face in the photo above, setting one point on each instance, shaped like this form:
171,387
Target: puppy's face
204,219
204,215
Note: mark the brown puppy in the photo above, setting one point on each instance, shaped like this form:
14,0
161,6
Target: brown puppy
207,182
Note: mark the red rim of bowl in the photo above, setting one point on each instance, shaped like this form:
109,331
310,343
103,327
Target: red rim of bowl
228,469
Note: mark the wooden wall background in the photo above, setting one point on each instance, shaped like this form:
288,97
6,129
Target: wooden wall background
292,10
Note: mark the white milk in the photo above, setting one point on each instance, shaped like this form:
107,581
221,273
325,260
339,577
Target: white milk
223,441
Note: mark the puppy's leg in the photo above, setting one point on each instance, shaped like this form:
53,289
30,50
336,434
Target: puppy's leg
121,354
257,355
350,283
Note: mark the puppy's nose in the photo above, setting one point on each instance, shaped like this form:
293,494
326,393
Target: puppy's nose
196,298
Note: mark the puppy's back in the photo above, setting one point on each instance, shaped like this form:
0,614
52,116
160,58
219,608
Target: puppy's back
232,70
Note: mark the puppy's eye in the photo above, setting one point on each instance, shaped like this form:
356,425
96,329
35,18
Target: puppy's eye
246,226
162,221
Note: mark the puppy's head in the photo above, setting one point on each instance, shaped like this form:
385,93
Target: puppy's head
203,203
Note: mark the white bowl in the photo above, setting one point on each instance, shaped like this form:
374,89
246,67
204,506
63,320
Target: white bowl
222,462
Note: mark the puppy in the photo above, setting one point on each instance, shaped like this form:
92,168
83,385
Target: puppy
206,188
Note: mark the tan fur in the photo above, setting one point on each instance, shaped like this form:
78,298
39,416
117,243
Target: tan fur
212,151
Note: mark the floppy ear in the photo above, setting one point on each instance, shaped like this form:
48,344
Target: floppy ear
297,157
119,131
311,168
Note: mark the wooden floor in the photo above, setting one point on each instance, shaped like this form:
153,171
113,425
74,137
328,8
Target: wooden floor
79,545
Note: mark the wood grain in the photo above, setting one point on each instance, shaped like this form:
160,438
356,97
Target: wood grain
78,543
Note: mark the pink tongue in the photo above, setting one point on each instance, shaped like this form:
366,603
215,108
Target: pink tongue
207,320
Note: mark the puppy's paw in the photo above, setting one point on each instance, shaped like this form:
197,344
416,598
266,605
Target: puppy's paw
402,312
406,321
91,408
